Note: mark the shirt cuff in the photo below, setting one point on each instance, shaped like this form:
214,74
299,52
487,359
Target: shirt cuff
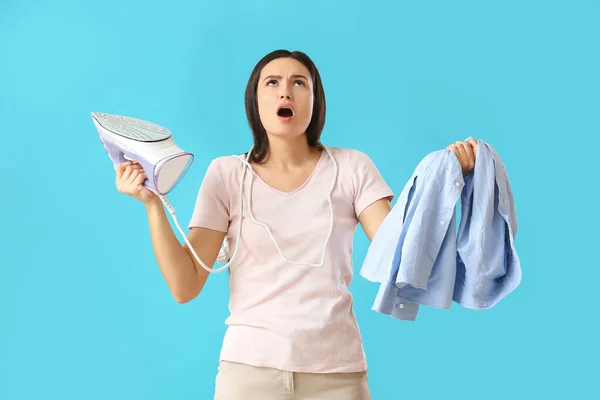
388,303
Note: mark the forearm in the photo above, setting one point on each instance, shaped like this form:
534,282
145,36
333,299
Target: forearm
174,261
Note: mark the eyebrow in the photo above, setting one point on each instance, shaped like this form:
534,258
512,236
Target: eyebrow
280,77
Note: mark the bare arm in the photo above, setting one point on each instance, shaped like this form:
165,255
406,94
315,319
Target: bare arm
185,277
372,217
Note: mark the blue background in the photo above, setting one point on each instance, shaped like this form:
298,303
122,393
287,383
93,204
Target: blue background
84,310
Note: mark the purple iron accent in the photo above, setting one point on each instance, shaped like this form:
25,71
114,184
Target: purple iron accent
118,156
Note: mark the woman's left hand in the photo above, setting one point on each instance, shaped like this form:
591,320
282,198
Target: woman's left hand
466,153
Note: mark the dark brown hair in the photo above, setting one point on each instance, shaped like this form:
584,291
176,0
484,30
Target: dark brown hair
313,132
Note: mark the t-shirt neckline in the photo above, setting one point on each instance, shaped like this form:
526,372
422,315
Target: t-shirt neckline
299,188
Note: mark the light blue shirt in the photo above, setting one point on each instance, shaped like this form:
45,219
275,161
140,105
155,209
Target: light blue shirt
417,255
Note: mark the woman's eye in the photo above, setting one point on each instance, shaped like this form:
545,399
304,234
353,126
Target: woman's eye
273,82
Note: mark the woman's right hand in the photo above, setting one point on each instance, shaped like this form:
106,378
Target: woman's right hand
130,176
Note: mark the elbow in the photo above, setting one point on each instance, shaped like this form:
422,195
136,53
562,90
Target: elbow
182,295
182,298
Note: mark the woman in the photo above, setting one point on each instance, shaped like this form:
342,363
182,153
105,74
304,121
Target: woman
292,332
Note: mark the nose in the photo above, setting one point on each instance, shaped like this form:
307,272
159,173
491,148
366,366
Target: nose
285,92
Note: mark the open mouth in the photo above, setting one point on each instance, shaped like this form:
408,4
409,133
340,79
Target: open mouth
285,112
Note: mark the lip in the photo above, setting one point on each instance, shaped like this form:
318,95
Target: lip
285,105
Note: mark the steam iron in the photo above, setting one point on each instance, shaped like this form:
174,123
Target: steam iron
127,138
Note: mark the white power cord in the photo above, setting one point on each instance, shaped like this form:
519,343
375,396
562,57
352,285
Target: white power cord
223,254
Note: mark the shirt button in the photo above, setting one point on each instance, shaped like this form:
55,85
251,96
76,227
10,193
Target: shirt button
442,222
401,305
458,184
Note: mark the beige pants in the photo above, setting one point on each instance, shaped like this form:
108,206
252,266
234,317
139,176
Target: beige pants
244,382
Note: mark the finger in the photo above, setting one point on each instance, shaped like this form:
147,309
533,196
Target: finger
132,178
121,167
453,148
140,179
474,144
127,173
467,150
469,163
138,171
461,151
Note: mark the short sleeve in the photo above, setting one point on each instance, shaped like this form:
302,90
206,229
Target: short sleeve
369,185
211,210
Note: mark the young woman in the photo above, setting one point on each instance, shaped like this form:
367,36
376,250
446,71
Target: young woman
292,332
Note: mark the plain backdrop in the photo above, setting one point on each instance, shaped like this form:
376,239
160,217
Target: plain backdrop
84,310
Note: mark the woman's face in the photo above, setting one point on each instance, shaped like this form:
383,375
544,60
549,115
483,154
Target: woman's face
285,97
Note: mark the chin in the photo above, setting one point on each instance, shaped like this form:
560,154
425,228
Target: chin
286,132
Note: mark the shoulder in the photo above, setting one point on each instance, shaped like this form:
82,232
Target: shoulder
224,165
356,164
222,173
356,167
353,157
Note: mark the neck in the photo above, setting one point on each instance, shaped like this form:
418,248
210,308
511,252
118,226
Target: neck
289,152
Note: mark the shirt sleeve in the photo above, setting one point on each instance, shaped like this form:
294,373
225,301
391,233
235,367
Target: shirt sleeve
369,185
211,210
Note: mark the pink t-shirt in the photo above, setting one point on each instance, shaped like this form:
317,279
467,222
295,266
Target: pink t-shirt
290,317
